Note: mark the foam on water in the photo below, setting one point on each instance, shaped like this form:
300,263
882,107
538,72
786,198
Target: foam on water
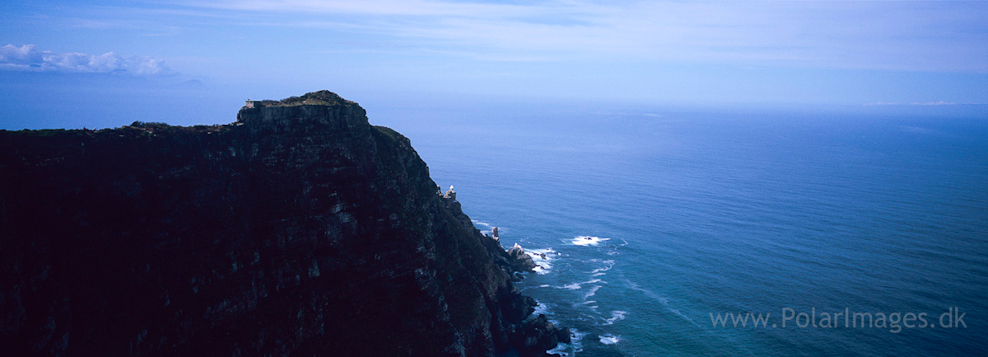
616,315
541,308
592,292
484,227
827,197
588,240
578,286
570,349
600,271
587,308
543,259
609,339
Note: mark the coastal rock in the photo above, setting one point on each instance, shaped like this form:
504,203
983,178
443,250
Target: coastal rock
298,230
536,336
564,335
519,260
515,306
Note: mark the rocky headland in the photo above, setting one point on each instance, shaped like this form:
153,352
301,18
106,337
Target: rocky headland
298,230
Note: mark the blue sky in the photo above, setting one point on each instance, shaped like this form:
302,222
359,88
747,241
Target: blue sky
137,56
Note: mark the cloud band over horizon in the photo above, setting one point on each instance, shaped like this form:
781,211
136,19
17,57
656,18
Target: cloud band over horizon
28,58
836,52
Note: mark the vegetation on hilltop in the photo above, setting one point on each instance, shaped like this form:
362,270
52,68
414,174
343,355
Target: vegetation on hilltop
323,97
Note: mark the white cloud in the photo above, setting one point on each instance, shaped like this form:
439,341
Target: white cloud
933,103
916,103
377,7
29,58
877,35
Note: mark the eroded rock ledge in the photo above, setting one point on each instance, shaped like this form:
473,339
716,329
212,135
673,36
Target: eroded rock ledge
298,230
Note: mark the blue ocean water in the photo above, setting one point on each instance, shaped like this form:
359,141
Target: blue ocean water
646,223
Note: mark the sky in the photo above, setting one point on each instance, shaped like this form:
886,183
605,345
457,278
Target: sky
66,63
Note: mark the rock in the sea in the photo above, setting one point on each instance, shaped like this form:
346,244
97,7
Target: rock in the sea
515,306
519,260
536,336
299,230
564,335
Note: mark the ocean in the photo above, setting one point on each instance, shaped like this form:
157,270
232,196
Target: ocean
846,233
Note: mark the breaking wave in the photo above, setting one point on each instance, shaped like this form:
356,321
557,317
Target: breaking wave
577,286
484,227
570,349
616,315
609,339
588,240
543,259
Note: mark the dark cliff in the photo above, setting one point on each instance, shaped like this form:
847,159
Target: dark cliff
298,230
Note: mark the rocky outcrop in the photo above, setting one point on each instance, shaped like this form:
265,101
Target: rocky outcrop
521,262
537,335
298,230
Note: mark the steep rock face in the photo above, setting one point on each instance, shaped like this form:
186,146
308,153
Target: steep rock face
298,230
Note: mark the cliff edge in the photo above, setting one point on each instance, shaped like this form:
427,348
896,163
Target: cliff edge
298,230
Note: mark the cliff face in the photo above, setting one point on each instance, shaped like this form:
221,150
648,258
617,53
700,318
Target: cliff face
298,230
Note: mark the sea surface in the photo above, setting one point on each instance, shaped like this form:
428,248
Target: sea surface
646,224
